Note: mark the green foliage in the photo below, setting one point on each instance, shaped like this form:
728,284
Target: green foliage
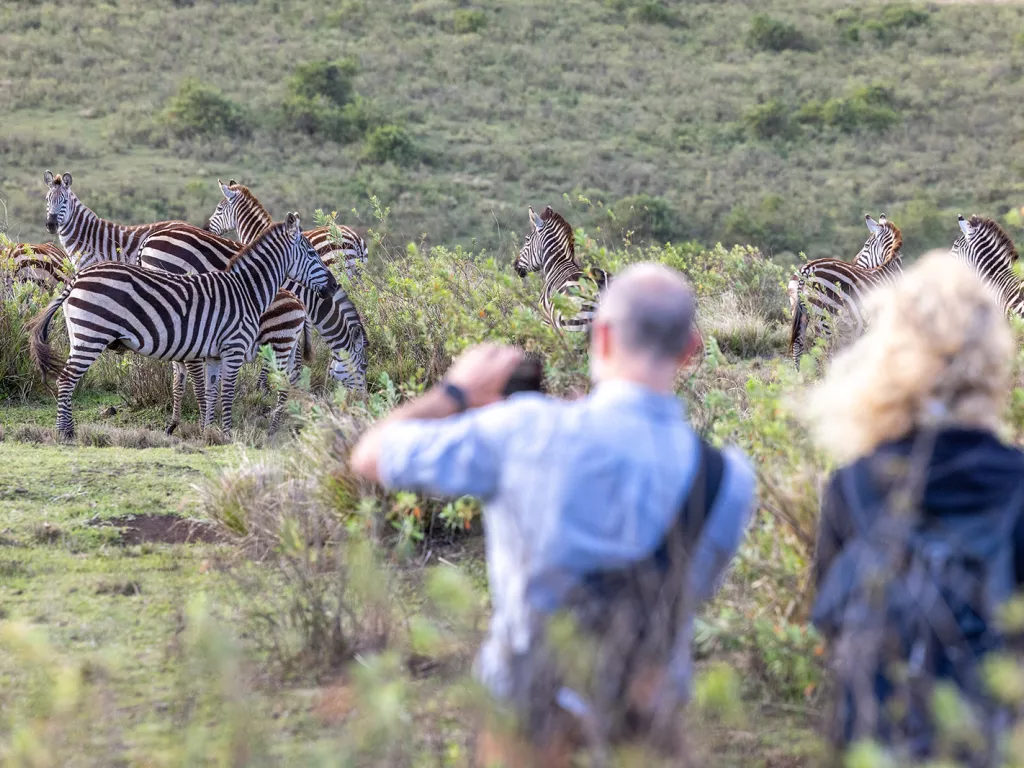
872,107
644,218
884,26
391,144
654,12
771,226
331,80
767,121
199,110
768,34
19,378
468,20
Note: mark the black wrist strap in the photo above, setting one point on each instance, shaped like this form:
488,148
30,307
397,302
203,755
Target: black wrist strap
456,394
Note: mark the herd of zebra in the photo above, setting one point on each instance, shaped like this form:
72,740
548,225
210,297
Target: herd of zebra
176,292
184,294
824,291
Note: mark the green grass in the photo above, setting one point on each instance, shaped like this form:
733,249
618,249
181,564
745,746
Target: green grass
530,100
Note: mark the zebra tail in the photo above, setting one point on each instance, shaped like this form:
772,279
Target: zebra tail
798,320
307,341
39,333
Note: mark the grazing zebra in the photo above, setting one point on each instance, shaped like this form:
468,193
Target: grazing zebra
241,211
550,248
96,240
834,288
39,263
988,249
212,318
337,320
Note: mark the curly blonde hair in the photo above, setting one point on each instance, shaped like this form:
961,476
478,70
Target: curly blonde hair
938,347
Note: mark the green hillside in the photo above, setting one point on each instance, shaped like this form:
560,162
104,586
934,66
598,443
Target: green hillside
774,123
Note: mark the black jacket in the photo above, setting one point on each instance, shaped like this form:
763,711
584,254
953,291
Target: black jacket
969,471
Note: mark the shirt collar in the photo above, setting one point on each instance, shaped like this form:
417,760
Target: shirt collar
619,391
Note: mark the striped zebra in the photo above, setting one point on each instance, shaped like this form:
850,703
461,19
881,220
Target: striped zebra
39,263
337,321
826,289
241,211
212,318
984,246
550,248
94,240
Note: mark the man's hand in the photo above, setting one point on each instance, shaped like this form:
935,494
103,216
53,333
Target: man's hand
482,372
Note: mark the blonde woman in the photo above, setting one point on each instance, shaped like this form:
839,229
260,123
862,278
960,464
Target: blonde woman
921,530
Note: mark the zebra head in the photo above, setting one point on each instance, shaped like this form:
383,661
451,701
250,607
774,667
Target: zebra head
531,255
58,201
349,366
883,244
304,264
225,216
984,245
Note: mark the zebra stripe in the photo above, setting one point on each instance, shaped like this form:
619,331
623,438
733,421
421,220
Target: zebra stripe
337,320
832,288
550,248
241,211
984,246
85,236
189,250
39,263
212,318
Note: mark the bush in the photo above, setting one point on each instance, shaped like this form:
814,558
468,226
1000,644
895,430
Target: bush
768,226
466,21
200,110
654,12
19,302
872,107
885,27
390,143
768,34
331,80
767,121
643,218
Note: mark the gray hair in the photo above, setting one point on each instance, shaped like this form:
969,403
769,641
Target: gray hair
651,307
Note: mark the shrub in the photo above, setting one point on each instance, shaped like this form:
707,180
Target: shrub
767,121
768,226
654,12
390,143
643,218
468,20
872,107
331,80
885,27
768,34
200,110
20,302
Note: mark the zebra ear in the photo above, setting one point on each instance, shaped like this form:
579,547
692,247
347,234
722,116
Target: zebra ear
964,227
226,188
882,220
293,225
66,178
872,225
537,221
48,178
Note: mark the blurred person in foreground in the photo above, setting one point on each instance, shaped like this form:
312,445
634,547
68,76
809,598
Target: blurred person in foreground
920,537
610,508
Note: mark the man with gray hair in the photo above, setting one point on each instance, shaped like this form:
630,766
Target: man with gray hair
584,502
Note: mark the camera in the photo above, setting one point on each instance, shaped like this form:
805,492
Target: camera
527,377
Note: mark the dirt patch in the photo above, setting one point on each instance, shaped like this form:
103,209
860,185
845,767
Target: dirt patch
164,529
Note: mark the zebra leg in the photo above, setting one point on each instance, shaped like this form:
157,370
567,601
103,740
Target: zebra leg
177,395
79,361
212,375
263,383
287,360
229,378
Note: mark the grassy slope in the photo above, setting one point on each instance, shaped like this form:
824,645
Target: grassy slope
546,98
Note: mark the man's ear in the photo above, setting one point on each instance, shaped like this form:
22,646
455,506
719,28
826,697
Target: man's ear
694,346
600,339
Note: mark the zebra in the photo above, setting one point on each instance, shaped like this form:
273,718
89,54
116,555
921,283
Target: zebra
93,240
984,246
39,263
241,211
832,287
212,318
550,248
338,320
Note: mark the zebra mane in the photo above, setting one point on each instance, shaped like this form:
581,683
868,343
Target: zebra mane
897,243
990,229
552,218
249,247
251,200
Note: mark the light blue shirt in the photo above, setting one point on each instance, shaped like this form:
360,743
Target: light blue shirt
569,488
